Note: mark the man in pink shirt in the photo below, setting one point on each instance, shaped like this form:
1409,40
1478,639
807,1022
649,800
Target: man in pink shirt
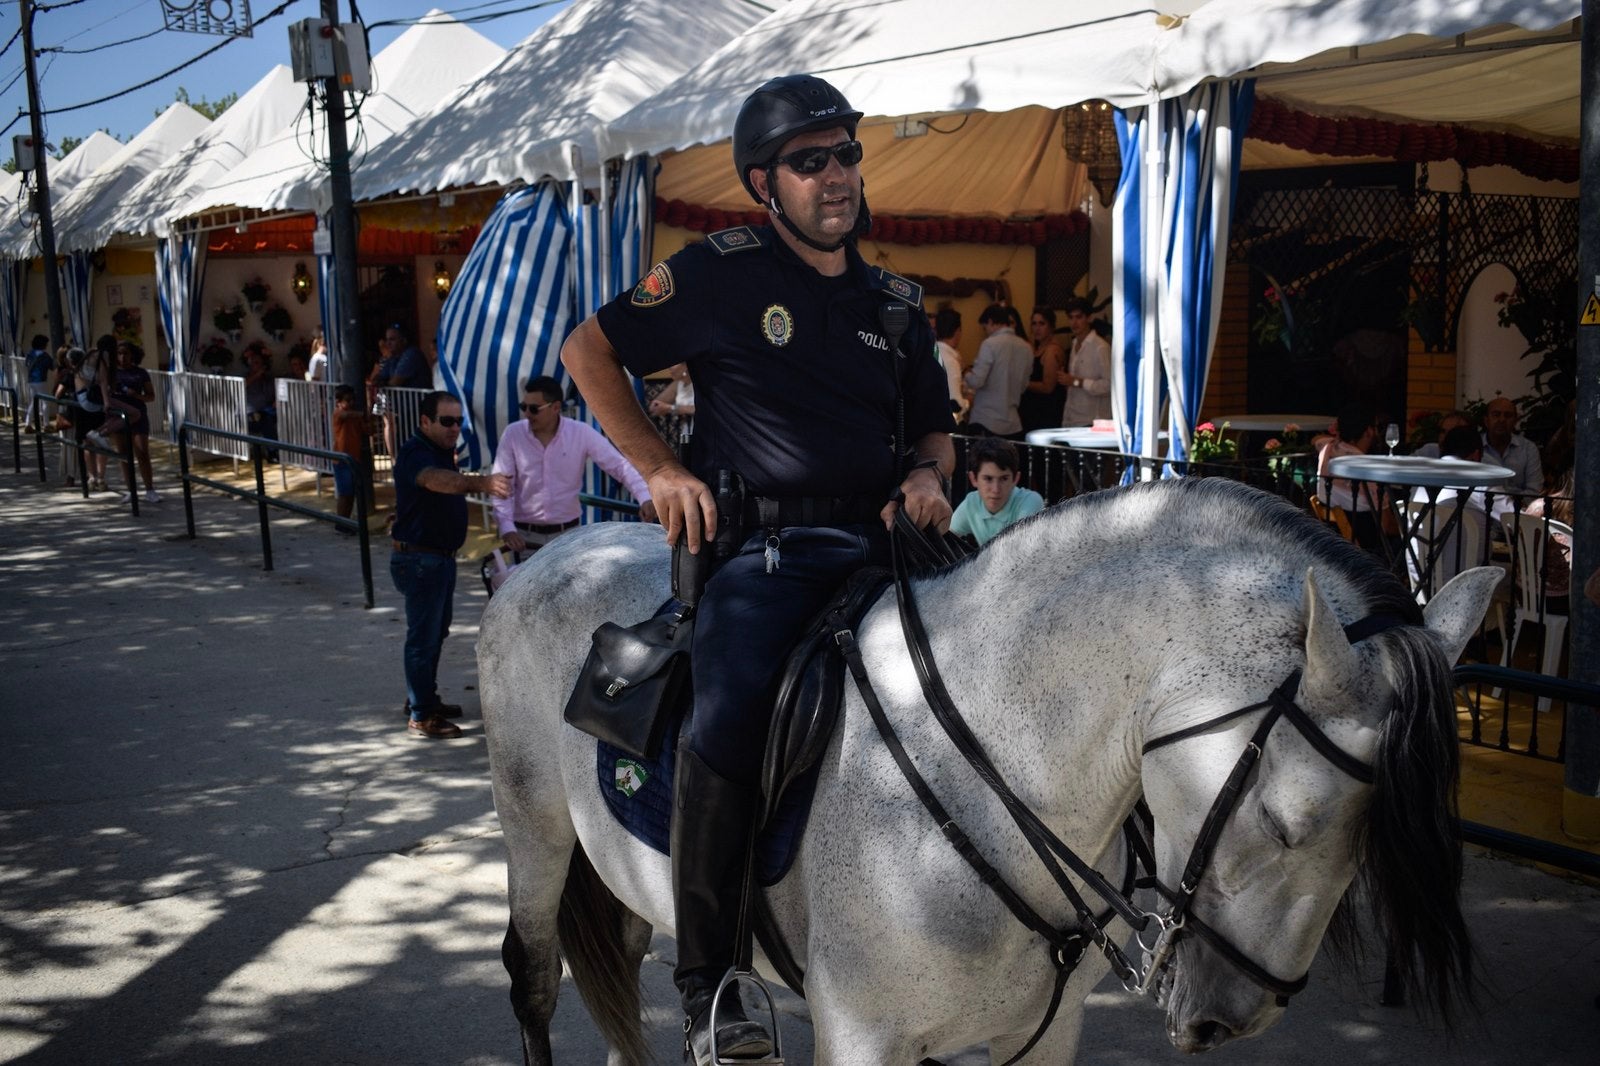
544,455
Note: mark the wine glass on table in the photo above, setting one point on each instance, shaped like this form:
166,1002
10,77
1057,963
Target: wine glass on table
1391,436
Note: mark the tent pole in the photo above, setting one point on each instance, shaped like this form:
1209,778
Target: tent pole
1150,230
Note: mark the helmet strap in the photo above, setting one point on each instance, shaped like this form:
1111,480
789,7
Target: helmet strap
775,207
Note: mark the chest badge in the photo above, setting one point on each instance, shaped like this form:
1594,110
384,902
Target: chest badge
777,325
654,288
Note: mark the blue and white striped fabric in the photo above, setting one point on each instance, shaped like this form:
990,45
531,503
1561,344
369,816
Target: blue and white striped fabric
332,318
1173,215
75,269
13,273
180,270
508,312
628,225
633,222
1137,387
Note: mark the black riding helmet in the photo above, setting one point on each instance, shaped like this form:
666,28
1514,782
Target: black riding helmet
780,109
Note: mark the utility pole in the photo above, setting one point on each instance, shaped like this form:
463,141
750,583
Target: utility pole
47,228
342,226
1580,813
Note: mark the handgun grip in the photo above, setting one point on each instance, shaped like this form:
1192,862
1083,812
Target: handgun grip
689,572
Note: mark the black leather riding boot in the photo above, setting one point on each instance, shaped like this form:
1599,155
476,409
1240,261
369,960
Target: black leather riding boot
712,825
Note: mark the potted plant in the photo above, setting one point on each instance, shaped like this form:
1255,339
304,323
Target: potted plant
230,320
1212,445
255,294
276,321
216,356
127,325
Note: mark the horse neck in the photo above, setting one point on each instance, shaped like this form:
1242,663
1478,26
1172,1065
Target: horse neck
1066,738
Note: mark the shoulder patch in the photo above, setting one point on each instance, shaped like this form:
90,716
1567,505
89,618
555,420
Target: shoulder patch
895,285
736,239
654,288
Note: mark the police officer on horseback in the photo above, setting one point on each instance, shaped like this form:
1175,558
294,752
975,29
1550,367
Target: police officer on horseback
793,477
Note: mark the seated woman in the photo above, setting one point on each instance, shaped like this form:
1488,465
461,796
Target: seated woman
1557,563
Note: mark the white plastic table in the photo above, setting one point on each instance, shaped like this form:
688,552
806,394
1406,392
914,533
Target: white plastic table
1076,437
1432,475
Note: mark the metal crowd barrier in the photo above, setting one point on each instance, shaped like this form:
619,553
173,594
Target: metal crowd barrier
201,401
305,417
16,424
257,448
401,417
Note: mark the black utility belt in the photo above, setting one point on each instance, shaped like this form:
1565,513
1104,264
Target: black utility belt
420,549
776,512
546,527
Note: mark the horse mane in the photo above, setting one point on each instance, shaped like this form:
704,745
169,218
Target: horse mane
1410,876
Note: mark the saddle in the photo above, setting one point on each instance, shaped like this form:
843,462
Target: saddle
635,777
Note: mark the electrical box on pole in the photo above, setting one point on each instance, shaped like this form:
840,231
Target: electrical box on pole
350,59
22,152
311,49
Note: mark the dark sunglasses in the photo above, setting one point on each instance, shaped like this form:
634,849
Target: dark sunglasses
535,408
449,421
815,160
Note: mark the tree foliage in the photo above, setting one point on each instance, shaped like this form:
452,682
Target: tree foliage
206,107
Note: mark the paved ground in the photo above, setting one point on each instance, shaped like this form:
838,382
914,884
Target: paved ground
217,845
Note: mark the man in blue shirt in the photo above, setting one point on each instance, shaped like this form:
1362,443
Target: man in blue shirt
39,364
995,501
430,523
403,365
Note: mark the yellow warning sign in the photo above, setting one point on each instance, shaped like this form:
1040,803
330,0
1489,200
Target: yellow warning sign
1591,312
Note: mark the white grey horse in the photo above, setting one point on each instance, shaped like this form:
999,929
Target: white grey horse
1069,643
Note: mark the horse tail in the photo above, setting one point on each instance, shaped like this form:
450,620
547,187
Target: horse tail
589,926
1412,868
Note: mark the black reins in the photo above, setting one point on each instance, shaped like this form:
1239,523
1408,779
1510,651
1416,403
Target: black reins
1067,945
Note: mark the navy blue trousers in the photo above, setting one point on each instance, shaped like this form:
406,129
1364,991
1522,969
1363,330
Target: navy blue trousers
428,582
748,620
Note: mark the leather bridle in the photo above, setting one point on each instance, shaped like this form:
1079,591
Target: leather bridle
1066,945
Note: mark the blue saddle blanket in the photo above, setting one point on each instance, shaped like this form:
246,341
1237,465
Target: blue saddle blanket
639,795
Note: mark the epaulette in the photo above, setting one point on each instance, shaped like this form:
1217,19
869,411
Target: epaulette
735,239
895,285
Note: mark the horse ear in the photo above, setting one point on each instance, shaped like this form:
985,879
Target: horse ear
1455,611
1331,664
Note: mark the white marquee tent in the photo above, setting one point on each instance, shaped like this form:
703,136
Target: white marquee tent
422,66
95,198
552,93
19,223
145,210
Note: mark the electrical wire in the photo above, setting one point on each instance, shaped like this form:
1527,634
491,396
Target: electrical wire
103,47
490,17
11,42
167,74
41,8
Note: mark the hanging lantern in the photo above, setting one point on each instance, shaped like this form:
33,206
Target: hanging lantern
1089,137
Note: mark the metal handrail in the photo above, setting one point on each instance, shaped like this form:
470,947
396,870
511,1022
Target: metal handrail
125,457
258,449
16,427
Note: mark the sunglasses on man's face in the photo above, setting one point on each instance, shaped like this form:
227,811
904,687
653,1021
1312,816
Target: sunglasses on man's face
449,421
815,160
535,408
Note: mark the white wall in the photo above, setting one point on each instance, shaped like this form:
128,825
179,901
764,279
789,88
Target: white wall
224,282
1488,360
134,291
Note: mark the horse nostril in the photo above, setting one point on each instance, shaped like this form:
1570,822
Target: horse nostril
1210,1034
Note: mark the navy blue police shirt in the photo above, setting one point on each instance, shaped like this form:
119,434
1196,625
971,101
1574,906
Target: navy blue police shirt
794,384
430,519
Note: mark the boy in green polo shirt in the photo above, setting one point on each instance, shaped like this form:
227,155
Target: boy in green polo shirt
995,501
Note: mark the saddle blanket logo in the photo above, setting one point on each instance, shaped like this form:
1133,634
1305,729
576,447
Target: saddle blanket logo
654,288
630,777
777,325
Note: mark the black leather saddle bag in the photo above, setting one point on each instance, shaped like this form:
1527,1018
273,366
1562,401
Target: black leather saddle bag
633,680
